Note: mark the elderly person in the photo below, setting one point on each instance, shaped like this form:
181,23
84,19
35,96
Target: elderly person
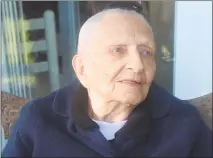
116,110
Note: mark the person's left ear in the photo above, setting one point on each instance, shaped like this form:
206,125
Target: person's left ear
78,66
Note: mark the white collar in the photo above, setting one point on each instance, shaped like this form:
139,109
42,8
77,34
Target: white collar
109,129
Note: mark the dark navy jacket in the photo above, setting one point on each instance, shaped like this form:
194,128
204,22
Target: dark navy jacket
58,126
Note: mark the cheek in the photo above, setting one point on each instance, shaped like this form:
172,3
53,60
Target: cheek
98,73
89,73
102,71
106,68
150,69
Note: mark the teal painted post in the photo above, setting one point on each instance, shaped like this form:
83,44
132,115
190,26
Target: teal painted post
68,27
50,35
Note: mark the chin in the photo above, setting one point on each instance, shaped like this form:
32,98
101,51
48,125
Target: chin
132,99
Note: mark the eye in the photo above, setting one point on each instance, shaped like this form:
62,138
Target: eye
117,50
146,53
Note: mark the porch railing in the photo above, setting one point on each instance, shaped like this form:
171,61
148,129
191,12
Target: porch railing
18,49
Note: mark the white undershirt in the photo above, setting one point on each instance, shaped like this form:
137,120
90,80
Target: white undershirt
109,129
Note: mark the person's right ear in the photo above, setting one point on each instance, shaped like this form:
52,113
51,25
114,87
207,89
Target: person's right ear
78,66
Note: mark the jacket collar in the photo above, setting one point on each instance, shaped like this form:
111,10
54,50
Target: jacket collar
159,101
62,101
71,102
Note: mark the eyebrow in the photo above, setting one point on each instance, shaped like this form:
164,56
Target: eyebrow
145,45
138,45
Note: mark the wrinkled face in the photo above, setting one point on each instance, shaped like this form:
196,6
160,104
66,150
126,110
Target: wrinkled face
119,64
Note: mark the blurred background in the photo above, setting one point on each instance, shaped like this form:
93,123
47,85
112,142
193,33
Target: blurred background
39,40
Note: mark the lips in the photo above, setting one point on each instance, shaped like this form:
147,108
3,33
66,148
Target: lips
131,81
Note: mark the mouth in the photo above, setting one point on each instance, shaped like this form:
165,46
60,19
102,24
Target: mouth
131,82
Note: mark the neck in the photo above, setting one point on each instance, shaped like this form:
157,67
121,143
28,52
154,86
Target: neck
111,111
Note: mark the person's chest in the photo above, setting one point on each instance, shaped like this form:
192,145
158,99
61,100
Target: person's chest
161,142
60,144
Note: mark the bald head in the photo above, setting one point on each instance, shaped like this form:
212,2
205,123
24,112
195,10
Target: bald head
110,16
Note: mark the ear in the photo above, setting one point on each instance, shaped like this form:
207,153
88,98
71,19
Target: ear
78,66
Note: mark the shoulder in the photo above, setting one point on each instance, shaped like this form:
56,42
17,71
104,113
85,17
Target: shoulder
37,105
183,108
185,113
172,108
39,112
165,105
32,113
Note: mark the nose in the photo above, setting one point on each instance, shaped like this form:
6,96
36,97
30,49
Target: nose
135,62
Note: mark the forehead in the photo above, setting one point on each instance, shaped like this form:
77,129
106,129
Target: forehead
123,29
